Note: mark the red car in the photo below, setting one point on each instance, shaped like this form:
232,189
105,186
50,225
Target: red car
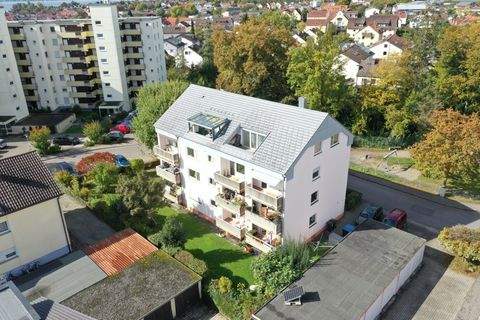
396,218
123,128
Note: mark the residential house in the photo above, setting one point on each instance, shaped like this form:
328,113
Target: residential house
367,31
387,47
371,11
32,227
366,74
327,14
353,59
411,8
261,171
184,49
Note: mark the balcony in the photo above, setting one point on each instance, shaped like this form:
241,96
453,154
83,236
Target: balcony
91,58
132,44
73,59
260,244
169,154
29,86
17,36
20,49
233,227
92,70
26,74
70,34
76,71
24,62
141,77
71,47
171,174
32,97
233,206
268,196
173,195
86,34
88,46
231,182
130,32
133,55
78,83
270,222
134,66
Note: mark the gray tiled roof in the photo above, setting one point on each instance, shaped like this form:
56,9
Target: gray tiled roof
24,182
51,310
288,129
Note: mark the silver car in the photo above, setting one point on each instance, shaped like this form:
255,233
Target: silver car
3,144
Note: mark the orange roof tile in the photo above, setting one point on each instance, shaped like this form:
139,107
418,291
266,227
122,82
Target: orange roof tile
119,251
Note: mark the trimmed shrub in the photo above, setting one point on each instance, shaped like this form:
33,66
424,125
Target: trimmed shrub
224,285
137,165
197,265
172,233
352,199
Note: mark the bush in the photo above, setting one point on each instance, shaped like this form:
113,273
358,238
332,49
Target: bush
224,285
108,208
352,199
88,143
137,165
89,162
93,131
197,265
380,142
464,243
64,178
103,177
172,233
40,138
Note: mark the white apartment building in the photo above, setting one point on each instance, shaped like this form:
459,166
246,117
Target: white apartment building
98,62
262,171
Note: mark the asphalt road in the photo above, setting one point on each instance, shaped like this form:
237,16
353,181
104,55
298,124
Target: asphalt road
427,213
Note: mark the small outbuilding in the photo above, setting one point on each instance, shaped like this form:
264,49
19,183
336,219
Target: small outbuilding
356,279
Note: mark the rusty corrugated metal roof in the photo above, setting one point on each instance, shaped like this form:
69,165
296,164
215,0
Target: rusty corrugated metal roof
119,251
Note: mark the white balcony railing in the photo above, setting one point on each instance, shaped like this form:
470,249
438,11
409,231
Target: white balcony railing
234,183
270,197
169,154
264,223
238,233
170,174
257,243
229,205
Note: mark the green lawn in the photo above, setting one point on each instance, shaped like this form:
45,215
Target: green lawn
222,257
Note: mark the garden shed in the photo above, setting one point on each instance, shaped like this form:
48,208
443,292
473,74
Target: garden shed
356,279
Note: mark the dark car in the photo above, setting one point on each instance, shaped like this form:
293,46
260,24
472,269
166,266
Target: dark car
62,166
66,141
396,218
370,212
121,161
116,136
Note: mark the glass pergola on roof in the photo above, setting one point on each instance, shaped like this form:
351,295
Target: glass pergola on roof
207,121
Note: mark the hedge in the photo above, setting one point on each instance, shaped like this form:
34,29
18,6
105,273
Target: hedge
197,265
352,199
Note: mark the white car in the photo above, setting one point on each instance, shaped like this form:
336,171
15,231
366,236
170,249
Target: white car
3,144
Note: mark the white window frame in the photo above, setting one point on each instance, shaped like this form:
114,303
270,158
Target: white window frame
317,148
7,230
318,174
316,198
314,220
332,143
254,140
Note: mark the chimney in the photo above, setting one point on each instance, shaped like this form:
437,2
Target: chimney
302,103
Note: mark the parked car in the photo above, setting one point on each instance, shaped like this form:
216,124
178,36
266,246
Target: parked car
396,218
121,161
121,127
370,212
114,136
62,166
65,140
3,144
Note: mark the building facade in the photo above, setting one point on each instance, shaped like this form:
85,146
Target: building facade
261,171
84,62
33,230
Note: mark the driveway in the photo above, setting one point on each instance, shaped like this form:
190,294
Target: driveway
83,226
435,292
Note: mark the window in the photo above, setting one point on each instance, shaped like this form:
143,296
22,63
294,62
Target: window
334,140
194,174
312,221
209,158
4,56
7,255
99,35
314,198
3,227
101,48
61,77
52,29
317,148
8,69
103,60
252,140
316,174
109,95
107,84
105,72
190,152
211,181
98,22
55,42
240,168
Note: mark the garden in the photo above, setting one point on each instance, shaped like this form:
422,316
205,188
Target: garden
238,283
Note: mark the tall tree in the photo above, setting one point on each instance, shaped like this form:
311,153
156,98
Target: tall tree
252,60
458,68
451,150
152,101
315,72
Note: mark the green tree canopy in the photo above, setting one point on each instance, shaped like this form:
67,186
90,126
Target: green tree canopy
252,60
152,101
315,72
